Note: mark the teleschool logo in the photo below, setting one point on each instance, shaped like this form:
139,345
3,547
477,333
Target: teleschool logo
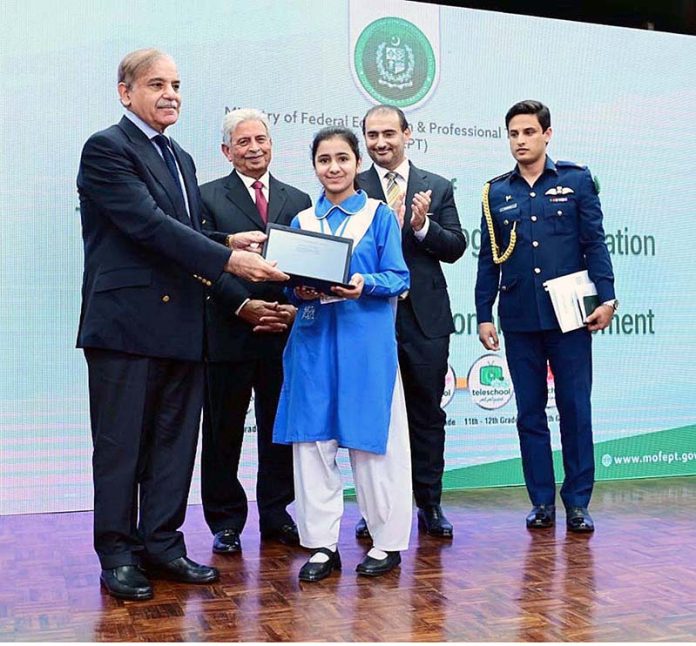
489,382
394,60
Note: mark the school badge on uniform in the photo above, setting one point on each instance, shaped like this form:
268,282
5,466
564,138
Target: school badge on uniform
308,313
395,59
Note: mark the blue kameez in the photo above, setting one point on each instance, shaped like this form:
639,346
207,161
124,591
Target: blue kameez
340,362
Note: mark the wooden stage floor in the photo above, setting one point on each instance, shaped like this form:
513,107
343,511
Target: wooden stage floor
633,580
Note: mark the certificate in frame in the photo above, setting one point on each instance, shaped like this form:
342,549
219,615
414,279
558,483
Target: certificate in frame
310,258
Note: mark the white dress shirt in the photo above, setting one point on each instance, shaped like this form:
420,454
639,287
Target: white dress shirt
248,181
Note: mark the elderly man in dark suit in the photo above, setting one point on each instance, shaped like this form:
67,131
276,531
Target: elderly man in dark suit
247,327
141,326
431,234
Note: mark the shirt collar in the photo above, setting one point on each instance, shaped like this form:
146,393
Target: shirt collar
248,181
548,166
402,169
350,206
147,129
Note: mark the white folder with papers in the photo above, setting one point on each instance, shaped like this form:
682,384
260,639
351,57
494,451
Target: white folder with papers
574,298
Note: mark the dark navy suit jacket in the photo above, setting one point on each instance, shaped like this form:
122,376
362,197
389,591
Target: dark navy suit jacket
146,264
230,209
559,229
444,242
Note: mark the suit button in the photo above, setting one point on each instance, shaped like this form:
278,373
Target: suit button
535,243
533,218
203,221
532,194
506,221
559,212
537,270
165,298
207,298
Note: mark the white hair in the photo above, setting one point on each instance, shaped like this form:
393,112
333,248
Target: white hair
235,117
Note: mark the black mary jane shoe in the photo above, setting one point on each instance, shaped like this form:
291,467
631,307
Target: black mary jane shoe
312,571
377,567
541,517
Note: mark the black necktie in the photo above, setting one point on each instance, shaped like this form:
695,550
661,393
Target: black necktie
163,144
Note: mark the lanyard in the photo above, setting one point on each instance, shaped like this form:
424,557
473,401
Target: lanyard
339,230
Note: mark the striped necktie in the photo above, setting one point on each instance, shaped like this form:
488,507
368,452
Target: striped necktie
393,190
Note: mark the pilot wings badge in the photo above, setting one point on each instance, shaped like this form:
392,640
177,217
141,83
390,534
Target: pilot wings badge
560,190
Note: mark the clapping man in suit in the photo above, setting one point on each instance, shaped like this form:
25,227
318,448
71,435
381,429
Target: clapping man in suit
141,326
431,234
247,326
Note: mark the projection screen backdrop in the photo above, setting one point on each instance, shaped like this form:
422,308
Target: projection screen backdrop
622,102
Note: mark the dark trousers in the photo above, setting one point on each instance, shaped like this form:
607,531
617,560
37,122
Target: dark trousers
423,364
145,416
229,388
570,358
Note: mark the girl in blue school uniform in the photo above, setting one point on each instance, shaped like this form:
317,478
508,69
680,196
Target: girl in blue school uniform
342,385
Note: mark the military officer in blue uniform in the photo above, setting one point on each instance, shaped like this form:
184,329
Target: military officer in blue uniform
540,221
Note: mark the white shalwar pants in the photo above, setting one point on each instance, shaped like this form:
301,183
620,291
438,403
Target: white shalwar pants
382,485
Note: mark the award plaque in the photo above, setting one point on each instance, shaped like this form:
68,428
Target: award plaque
309,258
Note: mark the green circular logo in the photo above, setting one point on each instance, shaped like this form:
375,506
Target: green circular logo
394,62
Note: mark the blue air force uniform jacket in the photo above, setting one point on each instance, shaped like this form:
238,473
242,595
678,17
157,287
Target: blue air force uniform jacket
559,231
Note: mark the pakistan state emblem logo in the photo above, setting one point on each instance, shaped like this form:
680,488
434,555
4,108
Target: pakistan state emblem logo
394,62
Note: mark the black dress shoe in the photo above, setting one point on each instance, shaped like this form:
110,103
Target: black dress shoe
286,534
361,530
541,517
227,541
317,571
578,519
376,567
126,582
183,570
433,522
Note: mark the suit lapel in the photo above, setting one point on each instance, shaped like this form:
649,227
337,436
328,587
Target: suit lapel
416,183
278,197
189,175
373,185
156,165
238,194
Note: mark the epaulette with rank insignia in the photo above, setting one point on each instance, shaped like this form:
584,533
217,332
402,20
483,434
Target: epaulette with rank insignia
499,177
571,164
568,164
